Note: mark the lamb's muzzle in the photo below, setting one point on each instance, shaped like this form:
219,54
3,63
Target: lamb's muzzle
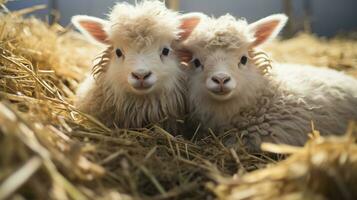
219,84
142,79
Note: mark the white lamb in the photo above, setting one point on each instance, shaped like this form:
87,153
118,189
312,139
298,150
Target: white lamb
229,90
138,80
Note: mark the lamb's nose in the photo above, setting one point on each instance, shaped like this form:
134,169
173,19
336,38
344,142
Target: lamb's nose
221,78
141,74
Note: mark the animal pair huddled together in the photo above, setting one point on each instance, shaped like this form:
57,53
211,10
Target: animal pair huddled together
160,66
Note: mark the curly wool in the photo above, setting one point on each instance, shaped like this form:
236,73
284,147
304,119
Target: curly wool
278,106
283,111
223,32
132,111
148,23
142,24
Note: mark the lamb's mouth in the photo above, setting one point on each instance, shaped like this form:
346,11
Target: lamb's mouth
142,89
221,95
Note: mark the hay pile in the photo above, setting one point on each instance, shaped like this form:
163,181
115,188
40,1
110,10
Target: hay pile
49,150
324,169
339,53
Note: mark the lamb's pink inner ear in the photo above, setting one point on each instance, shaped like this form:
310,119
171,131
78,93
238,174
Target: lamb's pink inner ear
187,26
264,31
267,28
96,30
184,55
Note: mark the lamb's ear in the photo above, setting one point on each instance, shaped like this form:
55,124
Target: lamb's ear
188,24
92,27
267,28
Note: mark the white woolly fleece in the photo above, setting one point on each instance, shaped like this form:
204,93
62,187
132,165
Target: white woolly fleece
140,32
278,107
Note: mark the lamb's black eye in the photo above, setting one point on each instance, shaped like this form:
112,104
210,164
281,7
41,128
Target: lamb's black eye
244,60
118,53
197,63
165,51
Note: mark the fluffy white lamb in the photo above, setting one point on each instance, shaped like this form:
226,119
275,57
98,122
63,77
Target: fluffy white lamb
138,80
230,87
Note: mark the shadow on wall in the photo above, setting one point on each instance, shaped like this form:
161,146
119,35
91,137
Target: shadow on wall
327,17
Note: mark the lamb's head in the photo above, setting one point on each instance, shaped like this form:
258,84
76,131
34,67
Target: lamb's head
139,59
222,67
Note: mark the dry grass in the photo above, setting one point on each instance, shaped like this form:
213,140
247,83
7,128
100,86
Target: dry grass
324,169
339,53
49,150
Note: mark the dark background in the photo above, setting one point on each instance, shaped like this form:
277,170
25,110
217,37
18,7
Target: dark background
323,17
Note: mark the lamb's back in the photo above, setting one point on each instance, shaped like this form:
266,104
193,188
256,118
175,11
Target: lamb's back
300,95
313,81
330,95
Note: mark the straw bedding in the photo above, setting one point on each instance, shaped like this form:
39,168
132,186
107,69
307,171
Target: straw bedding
49,150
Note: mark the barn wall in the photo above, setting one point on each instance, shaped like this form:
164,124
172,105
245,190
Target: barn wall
329,16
